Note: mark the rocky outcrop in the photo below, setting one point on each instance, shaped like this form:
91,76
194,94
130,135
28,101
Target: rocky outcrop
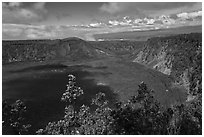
178,56
118,47
160,61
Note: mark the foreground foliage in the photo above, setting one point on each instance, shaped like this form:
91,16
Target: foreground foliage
140,115
13,117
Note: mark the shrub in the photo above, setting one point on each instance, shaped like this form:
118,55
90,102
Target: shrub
13,117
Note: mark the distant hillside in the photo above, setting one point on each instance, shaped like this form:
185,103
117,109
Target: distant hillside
41,50
179,56
144,35
28,50
73,49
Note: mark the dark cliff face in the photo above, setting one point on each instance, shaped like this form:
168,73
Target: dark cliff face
179,56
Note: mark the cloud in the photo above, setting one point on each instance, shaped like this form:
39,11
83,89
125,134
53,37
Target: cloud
186,15
149,9
43,32
126,23
28,31
183,18
12,30
186,7
39,6
11,4
149,21
112,7
60,15
24,31
96,24
14,12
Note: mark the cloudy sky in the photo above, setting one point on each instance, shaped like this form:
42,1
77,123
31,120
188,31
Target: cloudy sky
34,20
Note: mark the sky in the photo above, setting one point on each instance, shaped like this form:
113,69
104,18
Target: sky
51,20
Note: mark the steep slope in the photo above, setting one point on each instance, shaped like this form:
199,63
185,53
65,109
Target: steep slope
119,48
179,56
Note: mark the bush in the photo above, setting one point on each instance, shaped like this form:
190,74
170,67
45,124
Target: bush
140,115
13,117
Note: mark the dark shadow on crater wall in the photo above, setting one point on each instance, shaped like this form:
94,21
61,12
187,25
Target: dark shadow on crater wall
42,94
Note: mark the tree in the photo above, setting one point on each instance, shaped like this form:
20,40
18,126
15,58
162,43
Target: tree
13,117
187,118
141,114
83,121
